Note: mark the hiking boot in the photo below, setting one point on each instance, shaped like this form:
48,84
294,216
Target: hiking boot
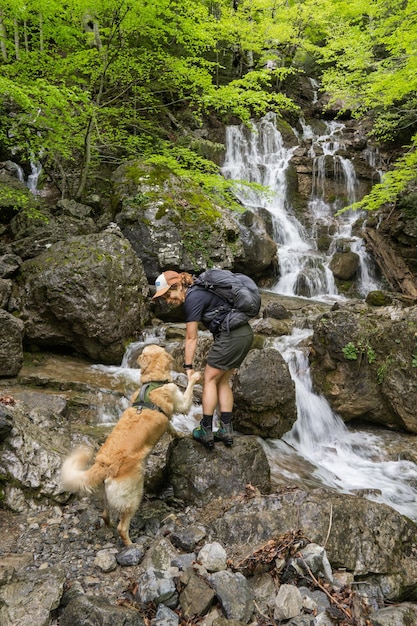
225,434
204,436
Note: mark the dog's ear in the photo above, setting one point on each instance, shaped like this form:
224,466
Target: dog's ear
144,359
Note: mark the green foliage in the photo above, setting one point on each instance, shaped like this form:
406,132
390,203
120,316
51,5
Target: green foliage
20,199
414,361
247,97
85,86
382,370
352,352
408,205
202,174
369,64
91,87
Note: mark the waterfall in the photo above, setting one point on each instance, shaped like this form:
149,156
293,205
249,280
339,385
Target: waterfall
260,156
319,440
346,461
32,181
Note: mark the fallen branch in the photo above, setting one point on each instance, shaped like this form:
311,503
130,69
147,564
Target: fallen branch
345,612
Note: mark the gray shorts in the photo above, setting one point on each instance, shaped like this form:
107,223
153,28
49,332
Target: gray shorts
229,349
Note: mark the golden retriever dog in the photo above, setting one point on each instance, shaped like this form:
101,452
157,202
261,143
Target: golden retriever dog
120,463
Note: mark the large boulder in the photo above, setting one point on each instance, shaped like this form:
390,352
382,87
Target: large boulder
264,395
199,476
344,265
259,249
33,235
171,225
88,294
364,362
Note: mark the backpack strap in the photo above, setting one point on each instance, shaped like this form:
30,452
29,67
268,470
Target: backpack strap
143,400
213,318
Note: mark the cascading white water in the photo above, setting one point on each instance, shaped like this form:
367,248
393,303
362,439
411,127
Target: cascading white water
32,182
344,171
346,461
337,458
260,156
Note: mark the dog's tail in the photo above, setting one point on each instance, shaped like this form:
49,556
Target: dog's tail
75,477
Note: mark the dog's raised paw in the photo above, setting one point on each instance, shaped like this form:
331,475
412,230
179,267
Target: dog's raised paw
195,377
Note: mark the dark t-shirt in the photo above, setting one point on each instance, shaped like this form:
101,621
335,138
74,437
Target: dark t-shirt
202,305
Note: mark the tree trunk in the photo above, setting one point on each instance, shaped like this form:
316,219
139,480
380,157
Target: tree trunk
16,40
86,159
392,266
3,38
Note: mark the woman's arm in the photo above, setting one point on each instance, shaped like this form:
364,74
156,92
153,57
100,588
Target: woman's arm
191,338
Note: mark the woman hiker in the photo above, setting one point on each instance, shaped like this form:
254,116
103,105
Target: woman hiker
226,354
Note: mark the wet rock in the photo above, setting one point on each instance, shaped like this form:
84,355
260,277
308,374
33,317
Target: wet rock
276,310
378,298
11,344
194,471
259,249
98,611
68,301
344,265
264,395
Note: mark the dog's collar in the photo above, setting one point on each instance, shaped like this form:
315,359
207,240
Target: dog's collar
143,402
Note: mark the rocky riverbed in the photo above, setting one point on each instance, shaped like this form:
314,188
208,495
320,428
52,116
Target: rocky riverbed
215,539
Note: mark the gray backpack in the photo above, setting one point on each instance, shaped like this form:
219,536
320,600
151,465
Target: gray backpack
239,292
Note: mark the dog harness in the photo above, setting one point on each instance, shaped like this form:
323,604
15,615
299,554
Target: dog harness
143,401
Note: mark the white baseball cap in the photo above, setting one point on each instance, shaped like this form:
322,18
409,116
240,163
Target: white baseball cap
165,282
